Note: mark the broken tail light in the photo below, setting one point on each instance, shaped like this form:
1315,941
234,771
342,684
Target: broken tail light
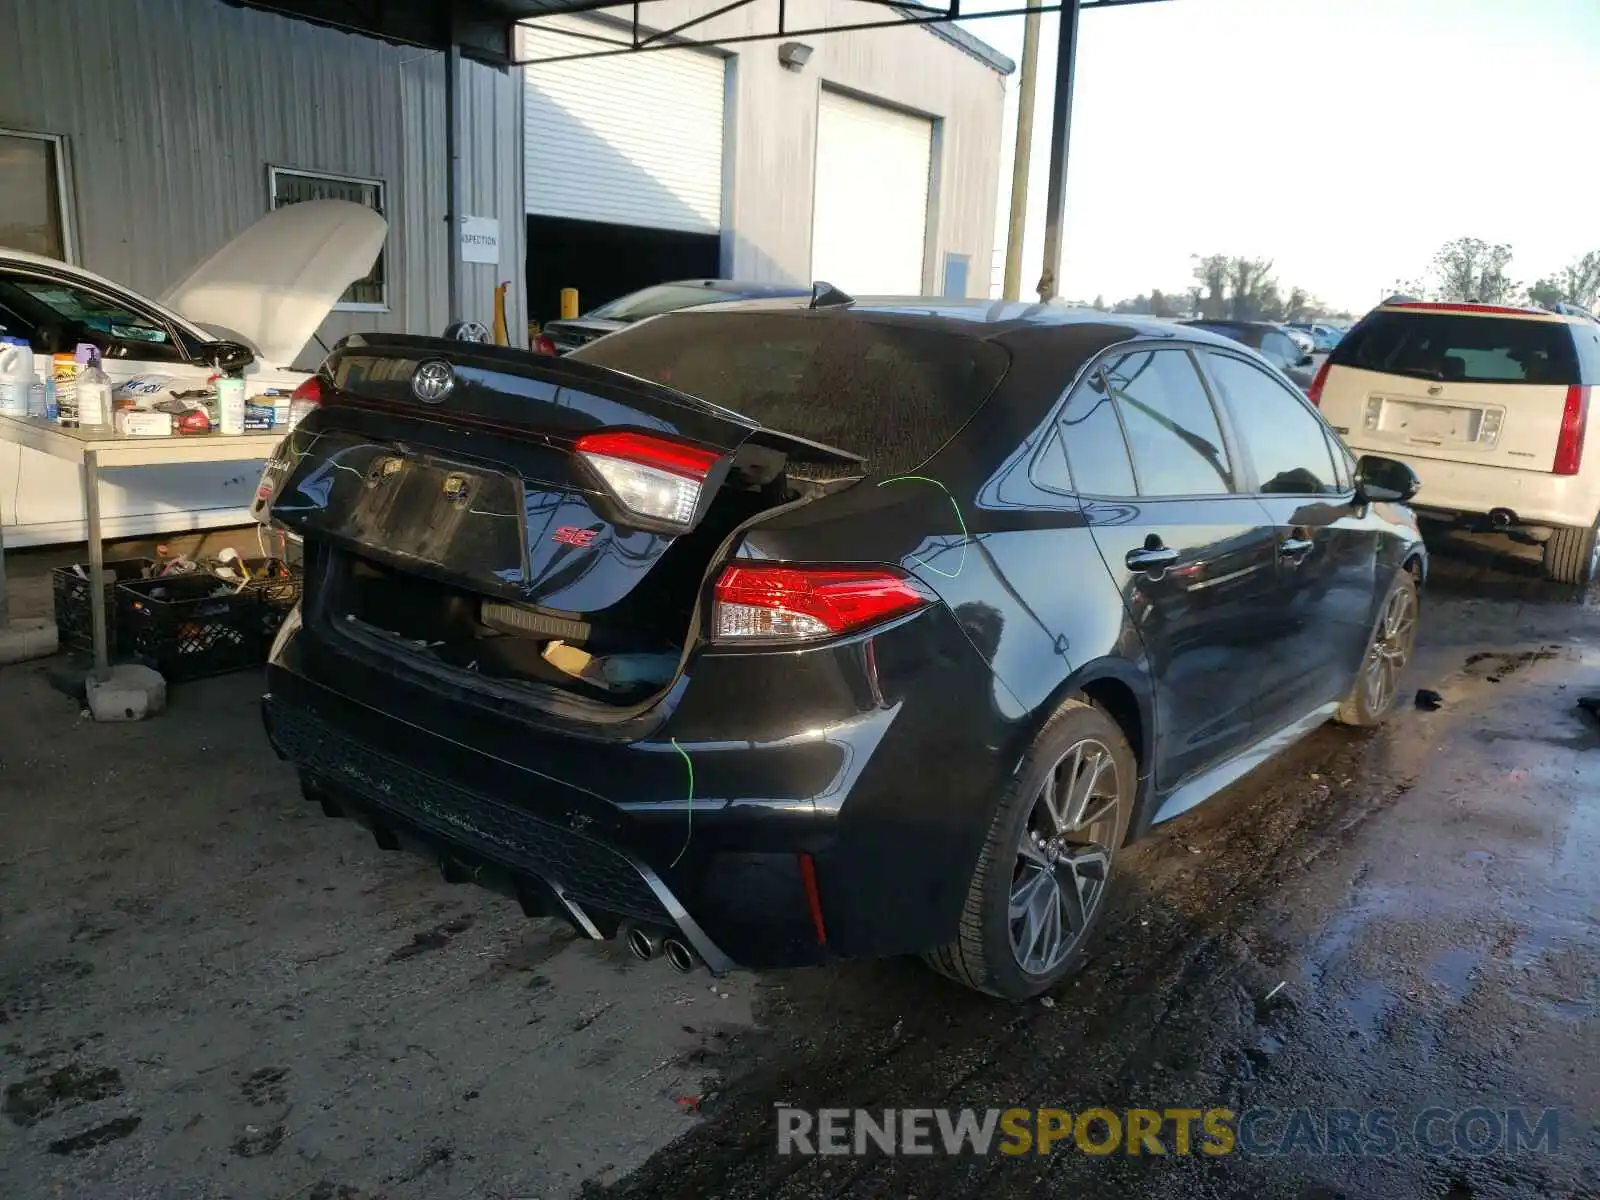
761,603
651,478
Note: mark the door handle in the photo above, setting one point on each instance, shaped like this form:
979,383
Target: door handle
1151,558
1295,547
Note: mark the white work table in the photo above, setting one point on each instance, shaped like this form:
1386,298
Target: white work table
99,449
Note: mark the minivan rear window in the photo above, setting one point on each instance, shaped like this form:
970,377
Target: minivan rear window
1459,348
891,392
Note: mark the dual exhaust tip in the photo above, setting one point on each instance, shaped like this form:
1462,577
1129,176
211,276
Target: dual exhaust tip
644,943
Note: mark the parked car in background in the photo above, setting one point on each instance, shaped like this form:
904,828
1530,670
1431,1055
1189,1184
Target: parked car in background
1302,339
253,305
1271,341
1490,404
1323,337
563,337
769,634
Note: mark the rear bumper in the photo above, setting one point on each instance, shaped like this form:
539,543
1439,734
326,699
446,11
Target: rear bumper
1472,489
886,788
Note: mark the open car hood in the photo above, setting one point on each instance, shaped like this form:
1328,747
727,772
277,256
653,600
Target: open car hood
277,281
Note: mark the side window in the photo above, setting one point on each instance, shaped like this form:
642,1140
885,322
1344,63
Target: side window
1279,350
1095,448
1286,442
1050,467
1172,430
62,314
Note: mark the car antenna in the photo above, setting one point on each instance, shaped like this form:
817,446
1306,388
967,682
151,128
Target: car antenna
825,295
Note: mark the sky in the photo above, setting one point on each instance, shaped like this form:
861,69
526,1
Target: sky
1346,140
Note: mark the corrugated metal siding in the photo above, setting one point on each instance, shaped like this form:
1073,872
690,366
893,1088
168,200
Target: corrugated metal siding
173,109
491,186
771,164
634,140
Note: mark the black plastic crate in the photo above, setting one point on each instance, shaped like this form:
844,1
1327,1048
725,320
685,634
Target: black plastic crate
191,626
74,614
278,586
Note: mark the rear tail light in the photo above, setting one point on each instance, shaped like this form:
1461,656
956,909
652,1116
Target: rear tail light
1574,420
651,478
795,603
307,398
1315,393
542,345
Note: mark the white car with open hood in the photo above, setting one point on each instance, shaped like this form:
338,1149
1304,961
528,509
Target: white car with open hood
268,289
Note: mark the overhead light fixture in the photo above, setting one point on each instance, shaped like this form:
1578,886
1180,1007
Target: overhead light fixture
794,55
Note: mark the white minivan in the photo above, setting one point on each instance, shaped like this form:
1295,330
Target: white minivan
268,289
1489,404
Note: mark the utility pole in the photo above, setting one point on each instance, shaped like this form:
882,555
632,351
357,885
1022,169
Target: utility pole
1060,127
1022,159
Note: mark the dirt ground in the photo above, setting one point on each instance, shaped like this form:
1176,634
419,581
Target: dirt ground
209,989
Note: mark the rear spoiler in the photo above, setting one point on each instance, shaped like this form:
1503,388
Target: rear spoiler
504,388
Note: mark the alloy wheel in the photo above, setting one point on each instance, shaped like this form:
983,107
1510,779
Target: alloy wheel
1064,857
1390,650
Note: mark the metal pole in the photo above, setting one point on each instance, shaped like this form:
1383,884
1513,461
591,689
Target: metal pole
1022,159
97,577
1060,129
452,173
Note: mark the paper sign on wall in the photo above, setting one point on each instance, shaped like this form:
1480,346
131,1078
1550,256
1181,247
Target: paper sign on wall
480,240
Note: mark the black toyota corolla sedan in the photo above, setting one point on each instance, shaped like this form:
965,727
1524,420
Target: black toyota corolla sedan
774,632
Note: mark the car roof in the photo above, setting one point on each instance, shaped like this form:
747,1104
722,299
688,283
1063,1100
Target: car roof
1228,323
986,319
740,287
1514,311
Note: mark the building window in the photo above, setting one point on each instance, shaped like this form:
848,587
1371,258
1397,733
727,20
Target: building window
33,194
287,186
956,269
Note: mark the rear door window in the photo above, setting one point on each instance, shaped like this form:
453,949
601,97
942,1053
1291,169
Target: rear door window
1173,434
889,391
1462,348
1286,442
1092,435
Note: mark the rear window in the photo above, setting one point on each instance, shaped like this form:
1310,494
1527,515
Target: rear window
1458,348
893,393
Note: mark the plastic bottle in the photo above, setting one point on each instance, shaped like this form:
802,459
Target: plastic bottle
230,404
36,401
94,396
16,376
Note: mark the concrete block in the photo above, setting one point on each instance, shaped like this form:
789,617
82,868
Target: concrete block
131,694
27,637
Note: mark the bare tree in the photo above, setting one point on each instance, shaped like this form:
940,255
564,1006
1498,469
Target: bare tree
1211,272
1250,282
1471,269
1577,283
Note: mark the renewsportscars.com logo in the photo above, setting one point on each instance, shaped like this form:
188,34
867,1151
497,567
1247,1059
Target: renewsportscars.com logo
1264,1132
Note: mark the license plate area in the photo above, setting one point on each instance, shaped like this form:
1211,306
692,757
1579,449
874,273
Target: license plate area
1430,424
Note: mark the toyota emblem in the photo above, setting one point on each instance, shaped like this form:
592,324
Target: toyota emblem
433,381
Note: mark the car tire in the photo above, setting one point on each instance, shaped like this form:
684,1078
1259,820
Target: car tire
1080,742
1377,684
1570,555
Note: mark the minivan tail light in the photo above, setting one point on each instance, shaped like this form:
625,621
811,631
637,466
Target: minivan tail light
1315,393
760,603
650,477
305,399
1574,420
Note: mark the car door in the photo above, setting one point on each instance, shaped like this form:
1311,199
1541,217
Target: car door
1192,558
1326,546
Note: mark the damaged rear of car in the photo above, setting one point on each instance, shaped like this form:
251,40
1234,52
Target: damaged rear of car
635,636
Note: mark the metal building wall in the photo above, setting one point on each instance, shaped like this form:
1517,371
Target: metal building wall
172,111
772,116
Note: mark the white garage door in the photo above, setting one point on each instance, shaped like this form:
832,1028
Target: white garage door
635,139
870,214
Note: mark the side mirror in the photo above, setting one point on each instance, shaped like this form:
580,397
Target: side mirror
1384,480
229,357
